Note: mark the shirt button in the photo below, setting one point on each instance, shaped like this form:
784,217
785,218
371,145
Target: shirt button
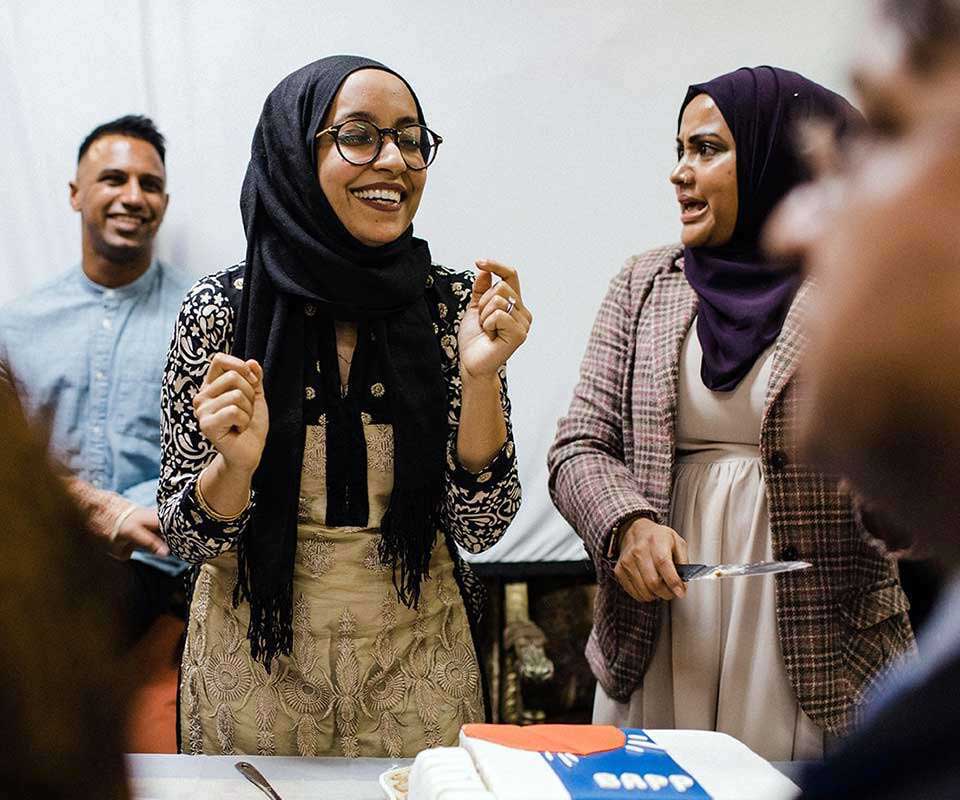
99,375
96,430
789,553
309,309
107,324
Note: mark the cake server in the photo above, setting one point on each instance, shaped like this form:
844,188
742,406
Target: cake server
252,774
693,572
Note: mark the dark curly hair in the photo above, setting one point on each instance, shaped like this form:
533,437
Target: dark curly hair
135,125
931,28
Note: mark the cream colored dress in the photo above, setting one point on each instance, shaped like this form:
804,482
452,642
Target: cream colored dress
717,663
367,675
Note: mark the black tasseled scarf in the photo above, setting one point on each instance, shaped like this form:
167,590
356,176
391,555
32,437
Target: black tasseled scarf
299,253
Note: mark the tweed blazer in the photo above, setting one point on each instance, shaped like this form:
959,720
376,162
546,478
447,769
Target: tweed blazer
840,623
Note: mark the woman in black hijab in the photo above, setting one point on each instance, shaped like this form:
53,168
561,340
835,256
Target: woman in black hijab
679,446
350,428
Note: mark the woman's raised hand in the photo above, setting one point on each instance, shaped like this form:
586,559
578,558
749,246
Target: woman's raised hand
231,410
496,321
648,554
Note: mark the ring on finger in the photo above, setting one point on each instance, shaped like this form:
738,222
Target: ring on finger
510,304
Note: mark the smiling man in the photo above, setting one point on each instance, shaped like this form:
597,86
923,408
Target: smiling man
86,351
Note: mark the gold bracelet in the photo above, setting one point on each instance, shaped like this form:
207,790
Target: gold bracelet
205,506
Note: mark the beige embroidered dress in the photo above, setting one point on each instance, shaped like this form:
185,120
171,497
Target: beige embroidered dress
367,676
717,663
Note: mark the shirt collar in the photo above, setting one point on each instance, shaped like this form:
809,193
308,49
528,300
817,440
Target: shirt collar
940,637
139,286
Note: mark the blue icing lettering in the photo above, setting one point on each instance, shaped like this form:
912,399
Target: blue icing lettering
639,770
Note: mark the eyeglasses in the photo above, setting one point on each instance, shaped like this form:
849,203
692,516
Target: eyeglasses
360,142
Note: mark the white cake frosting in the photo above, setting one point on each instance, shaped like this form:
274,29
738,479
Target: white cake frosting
684,764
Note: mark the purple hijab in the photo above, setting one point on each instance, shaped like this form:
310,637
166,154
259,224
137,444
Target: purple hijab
744,299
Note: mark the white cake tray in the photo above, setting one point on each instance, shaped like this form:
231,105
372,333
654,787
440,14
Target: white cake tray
394,781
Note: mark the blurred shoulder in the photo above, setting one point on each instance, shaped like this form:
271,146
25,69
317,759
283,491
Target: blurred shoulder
223,288
61,287
174,277
639,271
659,259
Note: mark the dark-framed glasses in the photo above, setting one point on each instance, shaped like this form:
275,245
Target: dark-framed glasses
359,142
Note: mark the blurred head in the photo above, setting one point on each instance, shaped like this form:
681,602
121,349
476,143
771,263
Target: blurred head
61,700
120,190
879,234
375,202
706,175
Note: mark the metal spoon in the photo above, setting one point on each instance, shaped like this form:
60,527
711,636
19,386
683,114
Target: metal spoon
252,774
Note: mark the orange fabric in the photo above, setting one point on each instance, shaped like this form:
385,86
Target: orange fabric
581,740
152,715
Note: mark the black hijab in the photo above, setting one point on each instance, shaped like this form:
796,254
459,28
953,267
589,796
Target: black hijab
744,299
299,253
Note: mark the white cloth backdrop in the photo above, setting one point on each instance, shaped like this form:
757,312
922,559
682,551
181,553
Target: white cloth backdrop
558,120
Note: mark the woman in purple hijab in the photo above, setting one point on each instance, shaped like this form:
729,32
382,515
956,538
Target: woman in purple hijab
679,447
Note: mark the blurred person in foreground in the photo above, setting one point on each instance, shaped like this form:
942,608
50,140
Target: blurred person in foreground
880,235
87,350
61,719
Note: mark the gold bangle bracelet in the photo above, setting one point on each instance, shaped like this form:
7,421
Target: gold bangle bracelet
205,506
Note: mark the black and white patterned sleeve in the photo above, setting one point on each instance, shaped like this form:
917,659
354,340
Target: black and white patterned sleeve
204,327
477,507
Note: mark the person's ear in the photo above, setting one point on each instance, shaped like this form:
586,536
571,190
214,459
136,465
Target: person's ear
74,196
163,211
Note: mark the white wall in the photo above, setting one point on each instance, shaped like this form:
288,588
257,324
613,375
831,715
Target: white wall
558,120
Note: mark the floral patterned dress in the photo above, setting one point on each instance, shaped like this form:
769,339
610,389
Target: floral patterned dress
367,676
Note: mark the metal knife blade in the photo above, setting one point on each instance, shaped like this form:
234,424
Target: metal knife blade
693,572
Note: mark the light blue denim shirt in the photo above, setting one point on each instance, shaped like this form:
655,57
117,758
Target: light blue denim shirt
88,361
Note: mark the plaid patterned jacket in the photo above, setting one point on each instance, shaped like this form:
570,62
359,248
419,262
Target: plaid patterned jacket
840,623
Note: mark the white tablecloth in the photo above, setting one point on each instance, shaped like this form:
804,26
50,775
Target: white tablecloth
168,777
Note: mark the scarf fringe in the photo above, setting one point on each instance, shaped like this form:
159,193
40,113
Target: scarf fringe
407,534
270,632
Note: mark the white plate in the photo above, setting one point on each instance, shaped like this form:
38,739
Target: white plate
394,783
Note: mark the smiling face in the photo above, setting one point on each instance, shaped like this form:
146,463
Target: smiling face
120,194
705,177
375,202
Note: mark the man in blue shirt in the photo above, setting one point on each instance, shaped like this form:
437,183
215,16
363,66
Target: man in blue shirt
87,350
